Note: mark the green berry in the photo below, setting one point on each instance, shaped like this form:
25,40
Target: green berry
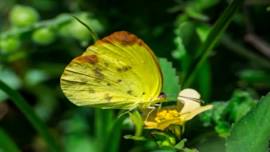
9,44
23,16
64,30
79,31
43,36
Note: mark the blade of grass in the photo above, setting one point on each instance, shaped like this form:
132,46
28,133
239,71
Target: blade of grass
26,109
6,143
211,40
204,81
92,32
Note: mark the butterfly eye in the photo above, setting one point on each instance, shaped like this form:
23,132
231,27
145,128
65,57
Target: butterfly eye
162,95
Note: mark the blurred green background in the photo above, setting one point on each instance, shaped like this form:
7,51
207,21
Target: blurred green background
40,37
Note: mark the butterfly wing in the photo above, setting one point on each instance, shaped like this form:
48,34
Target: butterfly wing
120,71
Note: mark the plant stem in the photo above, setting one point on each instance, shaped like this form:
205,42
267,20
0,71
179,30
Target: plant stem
6,143
103,122
239,49
211,40
53,22
115,134
92,33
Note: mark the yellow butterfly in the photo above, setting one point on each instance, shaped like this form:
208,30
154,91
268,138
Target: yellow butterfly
119,71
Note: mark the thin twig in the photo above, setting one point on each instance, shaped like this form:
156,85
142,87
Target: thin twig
234,46
260,44
92,33
46,23
211,40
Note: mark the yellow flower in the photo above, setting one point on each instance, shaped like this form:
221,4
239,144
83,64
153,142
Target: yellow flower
188,106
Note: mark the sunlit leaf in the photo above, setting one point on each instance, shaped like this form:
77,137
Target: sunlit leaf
251,133
171,85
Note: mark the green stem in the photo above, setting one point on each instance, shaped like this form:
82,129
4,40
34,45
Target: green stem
53,22
6,143
92,33
103,122
26,109
114,136
211,40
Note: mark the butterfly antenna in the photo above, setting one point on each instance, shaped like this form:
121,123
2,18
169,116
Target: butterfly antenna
152,109
92,33
193,99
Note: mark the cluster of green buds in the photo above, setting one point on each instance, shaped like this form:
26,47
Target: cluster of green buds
26,24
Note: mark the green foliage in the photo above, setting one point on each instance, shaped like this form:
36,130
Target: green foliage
31,116
9,44
115,134
11,79
181,147
255,77
171,85
39,38
6,143
251,133
224,114
43,36
76,137
183,33
215,33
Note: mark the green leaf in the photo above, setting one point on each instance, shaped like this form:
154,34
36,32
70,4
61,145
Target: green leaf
6,143
180,50
186,31
203,31
239,105
194,13
171,85
251,133
137,120
180,145
27,110
255,77
204,80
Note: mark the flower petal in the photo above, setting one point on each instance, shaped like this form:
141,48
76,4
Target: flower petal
189,115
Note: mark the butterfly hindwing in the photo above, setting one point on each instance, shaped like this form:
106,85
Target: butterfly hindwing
120,71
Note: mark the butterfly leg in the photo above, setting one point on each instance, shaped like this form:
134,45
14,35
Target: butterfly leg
152,108
124,113
158,105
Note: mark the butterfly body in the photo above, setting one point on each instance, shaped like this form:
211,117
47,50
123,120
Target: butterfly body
119,71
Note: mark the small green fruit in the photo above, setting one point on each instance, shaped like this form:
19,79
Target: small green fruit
23,16
43,36
9,44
